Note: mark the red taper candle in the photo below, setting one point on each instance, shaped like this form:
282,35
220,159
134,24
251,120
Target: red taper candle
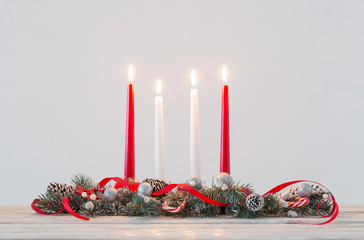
225,136
129,166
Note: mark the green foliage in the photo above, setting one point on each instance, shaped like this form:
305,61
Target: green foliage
138,207
271,205
239,210
231,195
83,181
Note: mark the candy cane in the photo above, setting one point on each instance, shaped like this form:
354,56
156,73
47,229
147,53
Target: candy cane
300,202
173,209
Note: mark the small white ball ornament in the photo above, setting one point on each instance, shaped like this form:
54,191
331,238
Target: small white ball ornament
325,196
254,202
224,187
84,194
89,205
93,197
110,194
223,178
145,189
194,181
147,199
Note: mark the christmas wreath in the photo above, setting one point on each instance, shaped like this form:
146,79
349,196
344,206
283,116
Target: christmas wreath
84,198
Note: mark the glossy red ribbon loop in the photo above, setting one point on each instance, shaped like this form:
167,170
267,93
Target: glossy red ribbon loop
66,206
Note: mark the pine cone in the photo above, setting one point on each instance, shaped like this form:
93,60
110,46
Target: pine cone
60,188
156,183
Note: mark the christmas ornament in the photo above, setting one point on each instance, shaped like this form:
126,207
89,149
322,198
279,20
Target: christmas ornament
292,214
89,194
194,181
304,190
223,178
93,197
61,188
147,199
325,196
254,202
301,202
110,194
156,184
145,189
224,187
166,207
89,205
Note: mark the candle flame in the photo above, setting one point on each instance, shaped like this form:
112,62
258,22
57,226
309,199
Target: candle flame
131,73
193,78
224,74
159,87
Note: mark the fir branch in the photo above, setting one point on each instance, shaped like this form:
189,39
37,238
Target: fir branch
271,205
138,207
83,181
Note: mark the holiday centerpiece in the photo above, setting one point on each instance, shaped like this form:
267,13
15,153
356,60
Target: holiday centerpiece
84,198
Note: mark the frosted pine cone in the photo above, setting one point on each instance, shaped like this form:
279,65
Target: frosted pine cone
60,188
155,183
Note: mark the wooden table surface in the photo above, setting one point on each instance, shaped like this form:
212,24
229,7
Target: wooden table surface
21,222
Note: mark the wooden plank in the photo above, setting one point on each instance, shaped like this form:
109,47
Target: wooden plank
20,222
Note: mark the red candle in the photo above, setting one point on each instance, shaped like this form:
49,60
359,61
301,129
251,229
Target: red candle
225,138
129,167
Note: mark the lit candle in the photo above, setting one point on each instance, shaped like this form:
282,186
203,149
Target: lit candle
195,169
225,138
160,172
129,167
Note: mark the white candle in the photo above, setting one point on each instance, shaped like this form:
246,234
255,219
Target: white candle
160,172
195,168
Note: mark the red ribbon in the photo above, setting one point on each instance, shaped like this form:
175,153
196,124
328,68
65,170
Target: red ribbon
191,190
120,183
66,206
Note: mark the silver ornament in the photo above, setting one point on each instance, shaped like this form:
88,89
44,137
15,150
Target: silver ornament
147,199
254,202
224,187
194,181
304,190
325,196
145,189
223,178
110,194
93,197
292,214
84,194
89,205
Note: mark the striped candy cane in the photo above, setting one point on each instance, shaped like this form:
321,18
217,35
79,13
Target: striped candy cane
301,202
173,209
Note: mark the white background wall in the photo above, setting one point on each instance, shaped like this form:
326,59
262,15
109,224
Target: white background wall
295,75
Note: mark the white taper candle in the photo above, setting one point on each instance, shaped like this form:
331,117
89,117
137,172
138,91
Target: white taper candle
195,166
160,171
